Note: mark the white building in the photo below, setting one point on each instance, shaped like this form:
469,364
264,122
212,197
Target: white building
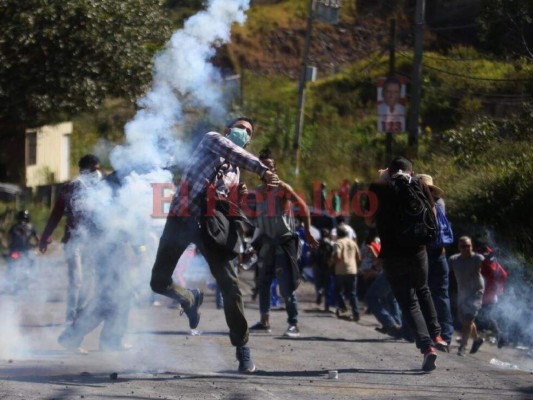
48,154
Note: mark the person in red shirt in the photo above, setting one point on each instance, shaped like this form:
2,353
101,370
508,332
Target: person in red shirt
495,277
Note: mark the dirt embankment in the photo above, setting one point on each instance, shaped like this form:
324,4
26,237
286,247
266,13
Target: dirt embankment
280,50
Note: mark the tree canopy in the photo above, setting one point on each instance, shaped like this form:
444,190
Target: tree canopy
63,57
506,27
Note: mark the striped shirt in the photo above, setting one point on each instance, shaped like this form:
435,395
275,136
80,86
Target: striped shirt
216,162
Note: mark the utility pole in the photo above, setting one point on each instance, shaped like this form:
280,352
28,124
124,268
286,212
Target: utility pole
301,89
417,78
392,72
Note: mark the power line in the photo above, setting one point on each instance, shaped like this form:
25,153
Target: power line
450,28
453,59
487,97
472,25
470,76
478,78
444,58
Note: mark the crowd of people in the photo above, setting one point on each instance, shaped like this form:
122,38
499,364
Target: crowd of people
401,271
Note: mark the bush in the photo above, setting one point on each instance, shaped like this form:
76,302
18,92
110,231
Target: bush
485,170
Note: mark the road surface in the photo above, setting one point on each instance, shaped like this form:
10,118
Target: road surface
167,362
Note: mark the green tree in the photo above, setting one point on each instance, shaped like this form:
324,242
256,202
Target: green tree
507,26
63,57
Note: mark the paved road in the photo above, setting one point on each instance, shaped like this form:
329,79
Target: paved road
167,362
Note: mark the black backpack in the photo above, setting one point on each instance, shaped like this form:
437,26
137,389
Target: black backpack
323,254
415,222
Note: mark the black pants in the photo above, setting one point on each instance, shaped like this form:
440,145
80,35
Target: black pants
178,233
408,278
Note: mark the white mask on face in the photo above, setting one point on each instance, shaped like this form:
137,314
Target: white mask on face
91,178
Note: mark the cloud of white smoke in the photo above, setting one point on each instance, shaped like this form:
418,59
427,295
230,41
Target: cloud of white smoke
120,210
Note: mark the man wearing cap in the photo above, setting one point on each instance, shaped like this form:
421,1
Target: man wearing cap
438,270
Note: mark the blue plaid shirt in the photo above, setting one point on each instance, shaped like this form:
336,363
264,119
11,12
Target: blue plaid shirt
215,161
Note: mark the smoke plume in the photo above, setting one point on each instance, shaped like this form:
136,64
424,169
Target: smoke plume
118,227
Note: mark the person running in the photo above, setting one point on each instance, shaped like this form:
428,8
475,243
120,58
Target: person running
406,266
466,267
438,269
346,256
215,162
279,247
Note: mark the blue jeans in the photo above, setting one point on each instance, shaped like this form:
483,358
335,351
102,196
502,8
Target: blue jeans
382,304
274,298
439,282
281,269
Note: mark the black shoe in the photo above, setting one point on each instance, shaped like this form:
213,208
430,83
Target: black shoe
501,342
461,352
395,332
341,312
192,311
476,345
356,317
246,365
430,356
260,327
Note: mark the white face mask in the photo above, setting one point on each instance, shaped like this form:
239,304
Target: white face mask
91,178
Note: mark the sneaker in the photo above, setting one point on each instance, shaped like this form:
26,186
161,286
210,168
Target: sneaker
292,331
501,342
356,317
260,327
461,352
430,356
192,311
246,365
476,345
441,344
